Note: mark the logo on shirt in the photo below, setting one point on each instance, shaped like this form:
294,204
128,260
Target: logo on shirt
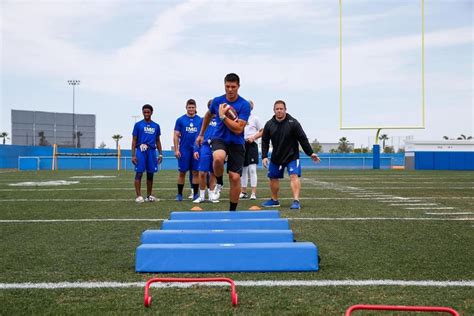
149,130
213,123
191,128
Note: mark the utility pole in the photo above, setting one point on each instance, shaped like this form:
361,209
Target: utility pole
74,83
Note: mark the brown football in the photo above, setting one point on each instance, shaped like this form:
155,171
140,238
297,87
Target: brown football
231,113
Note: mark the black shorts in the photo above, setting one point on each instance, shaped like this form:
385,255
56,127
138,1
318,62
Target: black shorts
251,154
235,154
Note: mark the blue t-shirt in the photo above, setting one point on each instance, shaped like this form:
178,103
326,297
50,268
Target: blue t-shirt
242,107
211,128
146,133
189,128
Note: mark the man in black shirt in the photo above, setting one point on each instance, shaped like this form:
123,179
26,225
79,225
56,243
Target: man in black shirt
286,134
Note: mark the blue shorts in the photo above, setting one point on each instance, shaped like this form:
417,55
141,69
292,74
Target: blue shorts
276,171
187,162
147,160
205,158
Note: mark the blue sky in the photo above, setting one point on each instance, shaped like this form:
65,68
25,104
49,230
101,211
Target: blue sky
128,53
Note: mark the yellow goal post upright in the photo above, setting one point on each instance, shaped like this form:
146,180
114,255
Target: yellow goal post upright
379,127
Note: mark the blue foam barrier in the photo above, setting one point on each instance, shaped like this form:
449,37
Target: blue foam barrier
228,257
153,236
258,223
224,215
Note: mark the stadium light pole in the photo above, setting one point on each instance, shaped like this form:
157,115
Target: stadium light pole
74,83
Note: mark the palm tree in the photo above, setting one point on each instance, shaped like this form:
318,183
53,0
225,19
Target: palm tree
4,136
383,138
344,145
117,138
463,137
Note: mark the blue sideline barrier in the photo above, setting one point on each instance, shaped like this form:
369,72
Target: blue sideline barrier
224,215
154,236
271,223
244,257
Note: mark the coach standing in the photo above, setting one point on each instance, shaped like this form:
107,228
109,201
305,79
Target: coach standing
286,134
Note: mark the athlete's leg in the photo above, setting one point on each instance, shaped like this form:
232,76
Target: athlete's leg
275,188
244,179
295,186
253,177
138,183
149,183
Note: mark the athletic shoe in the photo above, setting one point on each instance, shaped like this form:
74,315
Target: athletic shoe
217,192
295,205
139,199
243,196
270,203
191,195
179,197
151,198
199,200
195,196
213,198
253,196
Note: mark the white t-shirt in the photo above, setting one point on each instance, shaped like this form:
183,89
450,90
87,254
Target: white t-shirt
253,126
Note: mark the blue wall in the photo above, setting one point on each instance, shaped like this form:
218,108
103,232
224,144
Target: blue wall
9,159
444,160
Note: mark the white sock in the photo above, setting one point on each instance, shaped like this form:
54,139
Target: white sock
202,194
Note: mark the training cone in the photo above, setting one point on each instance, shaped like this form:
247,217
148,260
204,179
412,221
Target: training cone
196,208
254,208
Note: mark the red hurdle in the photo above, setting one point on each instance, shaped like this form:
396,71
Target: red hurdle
402,308
148,298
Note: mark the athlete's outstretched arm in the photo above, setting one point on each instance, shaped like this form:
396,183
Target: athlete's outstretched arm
134,144
160,150
205,123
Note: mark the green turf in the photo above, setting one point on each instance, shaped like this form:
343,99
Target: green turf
359,250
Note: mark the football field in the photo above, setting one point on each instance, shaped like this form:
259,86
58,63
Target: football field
68,241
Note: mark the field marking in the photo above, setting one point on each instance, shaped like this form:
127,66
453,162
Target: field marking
412,204
457,213
429,208
27,221
251,283
380,219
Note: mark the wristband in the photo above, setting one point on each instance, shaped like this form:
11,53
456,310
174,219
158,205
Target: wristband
222,118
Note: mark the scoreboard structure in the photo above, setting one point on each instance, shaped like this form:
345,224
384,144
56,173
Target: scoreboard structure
37,128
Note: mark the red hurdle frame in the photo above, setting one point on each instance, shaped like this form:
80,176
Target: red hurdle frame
148,298
402,308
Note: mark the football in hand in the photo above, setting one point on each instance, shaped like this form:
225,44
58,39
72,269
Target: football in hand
231,113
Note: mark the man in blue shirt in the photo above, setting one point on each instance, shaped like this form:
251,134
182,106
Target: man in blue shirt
145,142
203,153
186,130
228,140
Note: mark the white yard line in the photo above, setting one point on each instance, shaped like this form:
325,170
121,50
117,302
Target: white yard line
430,208
26,221
380,219
456,213
251,283
412,204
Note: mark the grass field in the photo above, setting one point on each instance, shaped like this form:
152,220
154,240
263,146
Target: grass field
374,229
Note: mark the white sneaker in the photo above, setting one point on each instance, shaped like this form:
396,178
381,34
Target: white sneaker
139,199
212,197
253,196
199,200
191,195
243,195
151,198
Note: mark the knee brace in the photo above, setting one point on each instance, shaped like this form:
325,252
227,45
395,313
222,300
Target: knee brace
138,176
149,176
